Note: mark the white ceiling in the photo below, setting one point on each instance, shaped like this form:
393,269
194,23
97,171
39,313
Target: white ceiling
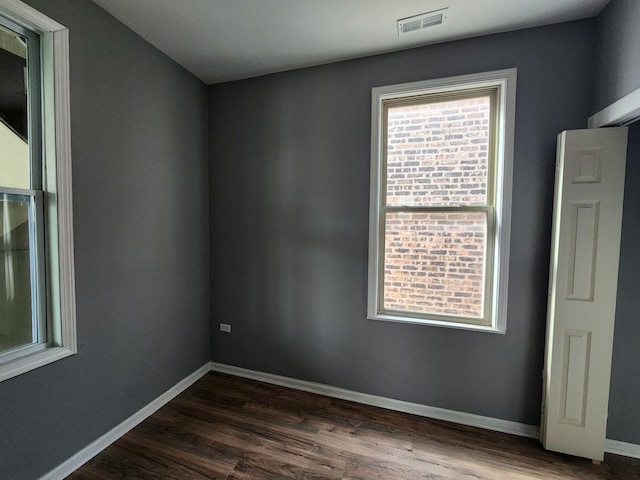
221,40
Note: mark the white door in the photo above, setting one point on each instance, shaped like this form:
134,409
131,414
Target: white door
582,289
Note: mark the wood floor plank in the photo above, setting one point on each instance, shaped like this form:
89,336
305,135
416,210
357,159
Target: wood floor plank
291,433
204,461
238,440
229,428
117,462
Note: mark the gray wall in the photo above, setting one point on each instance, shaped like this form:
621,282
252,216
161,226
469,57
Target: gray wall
624,398
617,75
140,184
289,211
618,59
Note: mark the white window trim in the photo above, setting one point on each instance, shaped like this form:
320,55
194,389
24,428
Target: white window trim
57,176
506,128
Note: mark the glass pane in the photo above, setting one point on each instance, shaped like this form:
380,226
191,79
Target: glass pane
438,153
434,263
14,149
16,326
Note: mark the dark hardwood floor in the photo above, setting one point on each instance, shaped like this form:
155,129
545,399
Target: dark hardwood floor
225,427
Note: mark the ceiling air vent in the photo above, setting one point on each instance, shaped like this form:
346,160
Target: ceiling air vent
422,21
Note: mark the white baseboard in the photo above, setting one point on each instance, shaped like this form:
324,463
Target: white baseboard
91,450
621,448
463,418
489,423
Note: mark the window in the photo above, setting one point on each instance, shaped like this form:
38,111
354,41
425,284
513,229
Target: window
440,201
37,293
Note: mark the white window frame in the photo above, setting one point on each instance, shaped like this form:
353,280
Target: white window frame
61,338
505,80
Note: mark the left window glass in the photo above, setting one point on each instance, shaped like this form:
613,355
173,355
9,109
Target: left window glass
16,313
14,115
22,322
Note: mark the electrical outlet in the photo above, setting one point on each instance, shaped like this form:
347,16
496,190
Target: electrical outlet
225,327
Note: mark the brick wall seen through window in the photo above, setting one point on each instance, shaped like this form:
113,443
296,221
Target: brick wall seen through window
437,155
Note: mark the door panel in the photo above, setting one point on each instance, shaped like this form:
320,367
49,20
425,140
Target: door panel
582,289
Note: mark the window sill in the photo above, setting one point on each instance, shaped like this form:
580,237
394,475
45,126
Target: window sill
27,363
438,323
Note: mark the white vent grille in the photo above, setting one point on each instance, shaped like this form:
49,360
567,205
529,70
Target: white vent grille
422,21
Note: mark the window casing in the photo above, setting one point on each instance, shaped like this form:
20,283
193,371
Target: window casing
36,209
440,201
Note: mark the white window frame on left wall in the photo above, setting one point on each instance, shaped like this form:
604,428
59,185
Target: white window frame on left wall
61,338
